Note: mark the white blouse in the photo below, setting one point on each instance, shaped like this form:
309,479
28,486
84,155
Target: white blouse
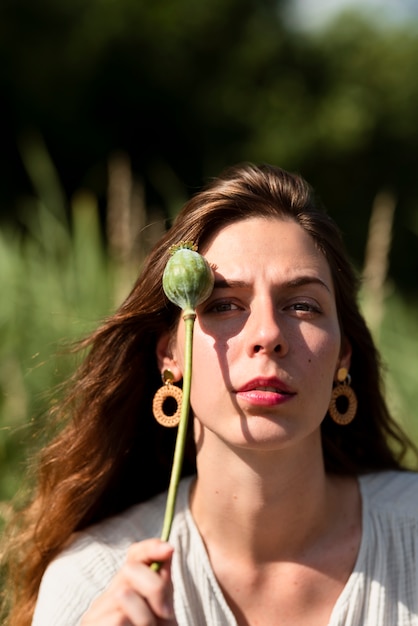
381,591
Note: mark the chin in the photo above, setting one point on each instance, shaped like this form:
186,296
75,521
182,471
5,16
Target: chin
260,433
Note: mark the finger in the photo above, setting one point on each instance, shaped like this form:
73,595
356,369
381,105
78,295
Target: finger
155,588
155,553
137,595
134,611
149,585
122,608
149,551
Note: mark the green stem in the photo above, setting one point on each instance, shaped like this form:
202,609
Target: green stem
189,317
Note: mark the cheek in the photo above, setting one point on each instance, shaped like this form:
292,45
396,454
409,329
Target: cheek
207,357
322,360
323,353
210,373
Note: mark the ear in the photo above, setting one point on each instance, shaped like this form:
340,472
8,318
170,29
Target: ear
165,358
345,355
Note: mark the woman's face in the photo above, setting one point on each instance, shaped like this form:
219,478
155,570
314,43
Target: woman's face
267,343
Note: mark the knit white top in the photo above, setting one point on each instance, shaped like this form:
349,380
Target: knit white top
381,591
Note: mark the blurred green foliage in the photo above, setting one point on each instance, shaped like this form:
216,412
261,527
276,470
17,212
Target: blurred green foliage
55,284
58,279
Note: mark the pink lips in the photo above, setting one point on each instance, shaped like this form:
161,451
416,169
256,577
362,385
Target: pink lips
265,392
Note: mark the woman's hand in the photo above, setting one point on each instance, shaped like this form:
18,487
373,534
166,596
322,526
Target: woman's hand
137,596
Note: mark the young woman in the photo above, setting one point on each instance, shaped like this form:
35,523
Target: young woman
294,508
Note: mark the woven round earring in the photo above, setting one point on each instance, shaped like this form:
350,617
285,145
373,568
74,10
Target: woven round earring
343,390
168,390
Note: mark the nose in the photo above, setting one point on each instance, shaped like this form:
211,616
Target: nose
265,333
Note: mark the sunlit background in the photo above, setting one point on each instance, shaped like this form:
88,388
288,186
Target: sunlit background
317,14
114,113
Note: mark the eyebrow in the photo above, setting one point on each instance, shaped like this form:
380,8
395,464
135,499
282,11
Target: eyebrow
300,281
223,283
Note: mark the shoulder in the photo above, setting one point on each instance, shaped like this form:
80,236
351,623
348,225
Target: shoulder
396,491
387,564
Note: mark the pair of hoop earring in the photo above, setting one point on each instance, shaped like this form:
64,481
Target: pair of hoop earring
164,393
343,390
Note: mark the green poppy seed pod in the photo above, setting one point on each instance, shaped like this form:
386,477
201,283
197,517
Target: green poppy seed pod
188,278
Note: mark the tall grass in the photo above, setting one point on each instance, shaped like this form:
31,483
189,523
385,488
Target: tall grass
393,321
55,285
58,279
397,339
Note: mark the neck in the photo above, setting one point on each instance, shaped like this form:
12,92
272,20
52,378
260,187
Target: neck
261,504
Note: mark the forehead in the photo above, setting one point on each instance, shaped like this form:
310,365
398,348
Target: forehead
265,243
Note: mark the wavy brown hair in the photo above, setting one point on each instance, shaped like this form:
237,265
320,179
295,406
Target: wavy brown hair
109,452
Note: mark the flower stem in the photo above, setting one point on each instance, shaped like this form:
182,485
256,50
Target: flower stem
189,317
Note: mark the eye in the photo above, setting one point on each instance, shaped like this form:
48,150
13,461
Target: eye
222,306
304,306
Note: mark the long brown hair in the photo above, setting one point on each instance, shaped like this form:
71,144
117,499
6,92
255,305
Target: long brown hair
110,453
